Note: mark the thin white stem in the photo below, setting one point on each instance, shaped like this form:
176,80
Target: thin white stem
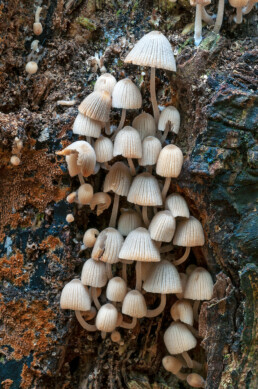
145,216
95,298
195,310
239,16
157,311
81,179
131,166
208,19
121,124
37,13
193,330
188,360
129,326
113,217
183,258
109,270
165,134
83,323
249,7
198,25
124,272
153,96
138,269
219,18
166,188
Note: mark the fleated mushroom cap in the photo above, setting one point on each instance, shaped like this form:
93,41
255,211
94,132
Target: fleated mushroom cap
106,82
107,318
169,114
145,191
75,296
128,221
189,233
199,285
153,50
151,147
182,310
118,179
126,95
86,126
170,161
177,205
116,289
108,245
104,149
134,304
94,274
162,227
178,338
138,246
164,279
145,125
80,158
96,106
128,143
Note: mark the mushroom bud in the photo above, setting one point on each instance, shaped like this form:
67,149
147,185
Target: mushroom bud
90,237
15,161
31,67
195,380
69,218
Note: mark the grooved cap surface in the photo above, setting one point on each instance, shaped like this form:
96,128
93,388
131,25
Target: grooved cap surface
134,304
126,95
75,296
178,338
107,318
151,147
177,205
128,143
145,191
108,245
189,233
86,126
94,274
129,221
96,106
104,149
162,227
145,125
116,289
106,82
164,279
170,161
199,285
169,114
118,179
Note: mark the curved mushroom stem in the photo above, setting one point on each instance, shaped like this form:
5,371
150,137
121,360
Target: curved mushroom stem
206,17
165,134
138,268
239,16
195,310
157,311
131,166
153,96
166,188
188,360
124,272
145,216
37,13
219,18
109,270
198,25
81,179
183,258
193,330
249,7
95,298
83,323
121,124
181,376
112,222
89,315
129,326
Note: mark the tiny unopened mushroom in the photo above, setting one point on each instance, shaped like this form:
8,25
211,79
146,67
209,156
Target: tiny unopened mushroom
195,380
134,305
145,125
169,121
69,218
174,365
14,160
115,336
85,194
31,67
182,310
37,26
106,82
89,237
101,200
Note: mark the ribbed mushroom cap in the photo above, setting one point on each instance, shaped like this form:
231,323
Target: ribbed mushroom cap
164,279
153,50
75,296
178,338
116,289
134,304
170,161
85,194
90,236
177,205
171,115
118,179
151,147
126,95
104,149
162,227
183,278
189,233
86,126
128,221
94,274
182,310
96,106
83,157
107,318
106,82
138,246
108,245
145,125
128,143
171,364
199,285
145,191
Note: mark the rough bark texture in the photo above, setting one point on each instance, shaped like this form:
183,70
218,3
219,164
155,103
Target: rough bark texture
215,92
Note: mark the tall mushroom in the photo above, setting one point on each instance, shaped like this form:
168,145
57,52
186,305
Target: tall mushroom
199,4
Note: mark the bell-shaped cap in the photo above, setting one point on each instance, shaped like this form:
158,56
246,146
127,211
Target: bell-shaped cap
145,191
128,221
183,278
182,310
128,143
153,50
85,194
162,227
106,82
177,205
172,116
75,296
199,285
101,200
164,279
80,158
104,149
189,233
145,125
172,364
94,274
118,179
178,338
151,147
126,95
96,106
86,126
116,289
138,246
170,161
107,318
134,304
108,246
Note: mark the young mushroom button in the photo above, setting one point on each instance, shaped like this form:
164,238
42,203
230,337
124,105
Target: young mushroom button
174,365
134,305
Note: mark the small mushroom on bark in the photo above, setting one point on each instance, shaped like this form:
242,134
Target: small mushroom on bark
195,380
134,305
169,121
174,365
90,236
101,200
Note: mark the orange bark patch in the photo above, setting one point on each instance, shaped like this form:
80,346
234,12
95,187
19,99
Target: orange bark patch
50,243
27,377
6,384
12,270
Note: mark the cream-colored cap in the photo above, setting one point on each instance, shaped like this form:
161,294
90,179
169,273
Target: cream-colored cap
170,161
145,191
86,126
199,285
106,82
145,125
104,149
138,246
116,289
134,304
172,116
238,3
89,237
101,200
182,310
107,318
172,364
153,50
108,245
189,233
94,274
128,221
151,147
118,179
85,194
164,279
178,338
195,380
177,205
75,296
162,227
183,278
96,106
126,95
128,143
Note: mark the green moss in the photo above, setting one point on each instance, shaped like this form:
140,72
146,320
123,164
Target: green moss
210,41
86,23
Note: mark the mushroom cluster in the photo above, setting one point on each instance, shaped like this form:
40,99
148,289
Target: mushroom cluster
153,224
